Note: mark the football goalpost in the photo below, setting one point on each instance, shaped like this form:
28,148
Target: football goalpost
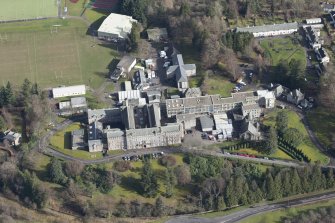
54,29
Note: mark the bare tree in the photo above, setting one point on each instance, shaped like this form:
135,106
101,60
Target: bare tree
73,168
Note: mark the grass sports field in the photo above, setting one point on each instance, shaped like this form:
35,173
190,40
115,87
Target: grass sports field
52,55
28,9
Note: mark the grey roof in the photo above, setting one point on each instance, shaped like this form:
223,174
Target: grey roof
177,59
126,61
172,69
206,122
153,131
139,77
251,106
185,117
189,66
78,102
297,93
110,133
193,92
78,132
180,75
268,28
249,127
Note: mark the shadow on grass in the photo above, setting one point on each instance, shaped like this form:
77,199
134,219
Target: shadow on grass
131,184
67,140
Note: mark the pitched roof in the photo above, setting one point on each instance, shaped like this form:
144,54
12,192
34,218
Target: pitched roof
268,28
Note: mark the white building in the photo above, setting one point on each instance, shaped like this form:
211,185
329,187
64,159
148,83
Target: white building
127,86
267,98
271,30
133,94
116,26
223,126
313,21
68,91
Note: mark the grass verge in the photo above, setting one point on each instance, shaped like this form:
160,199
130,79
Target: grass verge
307,145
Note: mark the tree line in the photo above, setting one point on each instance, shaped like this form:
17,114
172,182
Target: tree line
323,214
245,184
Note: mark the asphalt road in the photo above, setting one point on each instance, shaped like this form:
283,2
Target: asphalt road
240,215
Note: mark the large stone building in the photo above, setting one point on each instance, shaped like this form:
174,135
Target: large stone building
132,126
215,103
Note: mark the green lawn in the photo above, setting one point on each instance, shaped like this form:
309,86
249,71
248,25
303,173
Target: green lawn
283,49
323,124
23,9
277,216
129,186
278,154
218,85
306,146
61,141
35,51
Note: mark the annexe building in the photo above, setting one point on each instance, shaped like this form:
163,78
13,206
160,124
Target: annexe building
116,27
68,91
271,30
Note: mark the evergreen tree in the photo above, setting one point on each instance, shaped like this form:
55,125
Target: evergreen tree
221,204
330,178
9,95
185,9
170,182
271,143
56,173
231,196
159,207
148,180
282,121
3,125
270,187
278,187
26,88
293,136
295,182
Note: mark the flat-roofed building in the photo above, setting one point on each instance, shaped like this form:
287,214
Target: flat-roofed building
209,104
68,91
313,21
270,30
132,94
223,126
116,27
78,139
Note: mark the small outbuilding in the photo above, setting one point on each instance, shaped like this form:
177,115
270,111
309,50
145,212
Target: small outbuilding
78,139
207,123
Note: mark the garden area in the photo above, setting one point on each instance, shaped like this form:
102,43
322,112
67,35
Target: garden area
306,145
61,142
322,123
284,49
290,141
